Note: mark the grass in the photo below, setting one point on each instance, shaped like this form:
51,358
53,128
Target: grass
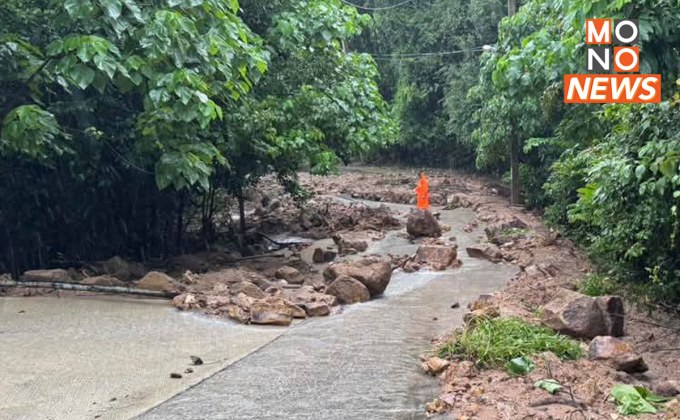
597,285
494,342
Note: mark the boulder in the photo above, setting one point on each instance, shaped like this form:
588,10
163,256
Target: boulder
374,273
582,316
666,388
421,223
485,251
350,244
438,257
274,310
348,290
248,289
104,280
289,274
322,256
158,281
616,353
57,275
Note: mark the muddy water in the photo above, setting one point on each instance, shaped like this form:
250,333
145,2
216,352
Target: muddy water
361,364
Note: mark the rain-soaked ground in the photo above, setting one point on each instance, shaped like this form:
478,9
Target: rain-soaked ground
78,358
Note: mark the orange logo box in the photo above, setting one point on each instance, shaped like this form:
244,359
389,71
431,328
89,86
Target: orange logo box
626,59
612,88
598,31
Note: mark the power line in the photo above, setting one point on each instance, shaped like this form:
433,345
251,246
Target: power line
379,56
373,9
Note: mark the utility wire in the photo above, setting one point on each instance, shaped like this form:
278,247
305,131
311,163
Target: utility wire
373,9
406,56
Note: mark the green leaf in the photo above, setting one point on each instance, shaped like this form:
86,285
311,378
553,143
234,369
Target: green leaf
520,366
82,75
550,385
631,400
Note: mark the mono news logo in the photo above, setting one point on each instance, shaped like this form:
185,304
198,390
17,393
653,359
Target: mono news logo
612,49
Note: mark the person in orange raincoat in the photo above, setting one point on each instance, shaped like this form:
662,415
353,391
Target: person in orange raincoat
422,192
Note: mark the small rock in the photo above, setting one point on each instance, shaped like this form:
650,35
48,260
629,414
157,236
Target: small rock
455,305
316,309
487,312
188,370
485,251
175,375
186,302
289,274
434,407
196,361
616,353
158,281
435,365
348,290
214,302
57,275
666,388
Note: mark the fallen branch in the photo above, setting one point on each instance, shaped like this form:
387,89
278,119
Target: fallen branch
560,401
88,288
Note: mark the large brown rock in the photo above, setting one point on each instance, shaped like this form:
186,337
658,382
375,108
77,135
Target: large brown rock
374,273
485,251
158,281
438,257
421,223
275,310
348,244
57,275
348,290
248,289
580,316
616,353
289,274
313,302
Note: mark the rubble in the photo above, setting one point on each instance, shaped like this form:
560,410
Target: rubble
485,251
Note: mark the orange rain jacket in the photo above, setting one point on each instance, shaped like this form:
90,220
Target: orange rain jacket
422,193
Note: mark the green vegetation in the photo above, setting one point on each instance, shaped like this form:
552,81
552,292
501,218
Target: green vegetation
607,175
634,400
495,342
597,285
123,121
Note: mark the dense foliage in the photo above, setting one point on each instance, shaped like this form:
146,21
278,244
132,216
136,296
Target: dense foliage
121,118
428,53
610,174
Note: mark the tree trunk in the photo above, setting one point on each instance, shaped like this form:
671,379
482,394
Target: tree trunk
242,213
512,7
515,193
